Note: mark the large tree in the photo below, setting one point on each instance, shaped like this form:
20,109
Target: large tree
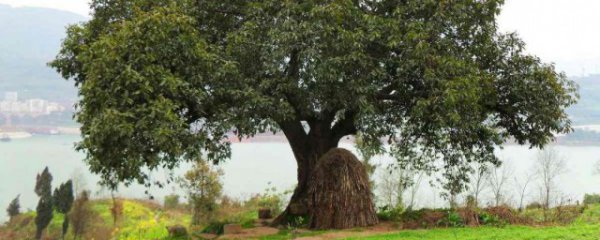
162,82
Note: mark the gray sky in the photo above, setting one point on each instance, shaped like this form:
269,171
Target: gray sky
561,31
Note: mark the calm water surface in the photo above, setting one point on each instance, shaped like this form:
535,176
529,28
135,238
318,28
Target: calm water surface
252,167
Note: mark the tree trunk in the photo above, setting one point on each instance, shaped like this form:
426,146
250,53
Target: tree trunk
308,148
306,156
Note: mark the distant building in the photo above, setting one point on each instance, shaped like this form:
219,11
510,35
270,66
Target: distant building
32,107
37,106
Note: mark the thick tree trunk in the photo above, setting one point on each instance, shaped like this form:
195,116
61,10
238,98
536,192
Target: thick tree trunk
308,148
306,158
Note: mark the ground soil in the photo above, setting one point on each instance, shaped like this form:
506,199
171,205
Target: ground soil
380,228
252,233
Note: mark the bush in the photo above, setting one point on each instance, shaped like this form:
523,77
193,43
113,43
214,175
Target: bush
388,213
534,205
504,214
81,214
591,199
424,218
171,201
469,215
567,214
271,199
491,220
215,227
454,220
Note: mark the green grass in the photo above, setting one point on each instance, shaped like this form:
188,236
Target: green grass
142,220
574,232
586,226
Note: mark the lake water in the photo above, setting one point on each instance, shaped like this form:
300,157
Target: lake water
250,170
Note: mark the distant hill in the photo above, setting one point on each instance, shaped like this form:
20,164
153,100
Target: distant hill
29,38
587,110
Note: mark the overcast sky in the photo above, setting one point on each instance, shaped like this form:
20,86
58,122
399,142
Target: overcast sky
566,32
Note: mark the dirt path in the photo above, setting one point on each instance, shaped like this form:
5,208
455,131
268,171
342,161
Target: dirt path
374,230
253,233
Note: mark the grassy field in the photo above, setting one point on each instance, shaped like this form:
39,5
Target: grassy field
140,220
576,232
146,220
585,227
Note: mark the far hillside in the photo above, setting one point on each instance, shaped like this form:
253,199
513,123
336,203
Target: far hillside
29,39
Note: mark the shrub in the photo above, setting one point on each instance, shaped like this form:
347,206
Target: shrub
171,201
215,227
454,220
534,205
297,222
469,215
81,214
567,214
177,231
504,214
271,199
434,218
490,220
388,213
591,199
427,218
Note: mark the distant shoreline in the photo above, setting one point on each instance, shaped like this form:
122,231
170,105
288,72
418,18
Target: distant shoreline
26,132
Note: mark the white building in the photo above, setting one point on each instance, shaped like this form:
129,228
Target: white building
32,107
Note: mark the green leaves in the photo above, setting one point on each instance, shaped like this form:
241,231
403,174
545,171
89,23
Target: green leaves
164,81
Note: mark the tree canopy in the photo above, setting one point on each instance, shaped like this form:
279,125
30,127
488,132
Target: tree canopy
162,82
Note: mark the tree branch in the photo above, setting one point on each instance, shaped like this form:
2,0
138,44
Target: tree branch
345,126
294,132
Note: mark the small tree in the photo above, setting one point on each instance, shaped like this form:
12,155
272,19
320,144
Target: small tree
171,201
478,179
116,210
204,187
43,188
63,201
393,184
413,189
14,208
549,166
498,179
81,214
79,181
521,185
